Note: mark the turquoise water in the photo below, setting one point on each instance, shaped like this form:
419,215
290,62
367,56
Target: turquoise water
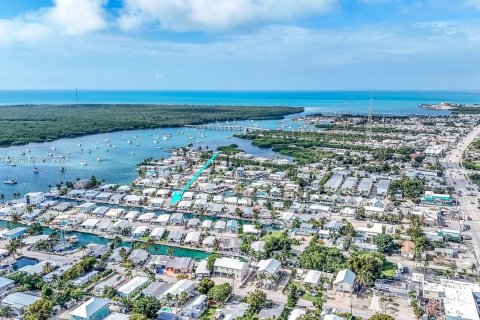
118,163
87,238
341,101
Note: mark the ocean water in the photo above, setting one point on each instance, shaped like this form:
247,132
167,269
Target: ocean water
118,164
398,102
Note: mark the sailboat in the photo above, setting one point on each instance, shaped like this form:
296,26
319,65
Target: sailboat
10,181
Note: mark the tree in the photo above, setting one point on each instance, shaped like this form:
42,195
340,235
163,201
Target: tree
220,293
381,316
292,296
39,310
6,312
137,316
385,243
256,299
318,257
109,292
48,267
47,292
205,285
12,246
211,261
367,266
146,305
171,252
35,229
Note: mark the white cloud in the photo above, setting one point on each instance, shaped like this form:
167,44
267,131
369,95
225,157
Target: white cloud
216,15
77,17
65,17
472,4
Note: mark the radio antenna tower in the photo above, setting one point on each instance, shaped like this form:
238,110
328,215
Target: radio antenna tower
369,121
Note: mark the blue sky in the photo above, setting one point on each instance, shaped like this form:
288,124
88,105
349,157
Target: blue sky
240,44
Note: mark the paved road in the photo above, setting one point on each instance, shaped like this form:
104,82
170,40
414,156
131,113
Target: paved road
455,175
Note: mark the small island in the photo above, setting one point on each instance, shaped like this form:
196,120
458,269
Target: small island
455,107
22,124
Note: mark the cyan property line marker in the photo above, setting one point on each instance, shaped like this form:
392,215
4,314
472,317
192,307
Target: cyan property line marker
177,195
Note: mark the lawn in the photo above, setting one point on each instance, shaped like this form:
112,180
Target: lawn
308,297
209,314
388,270
272,234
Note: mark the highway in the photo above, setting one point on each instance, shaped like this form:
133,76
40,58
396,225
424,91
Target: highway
455,175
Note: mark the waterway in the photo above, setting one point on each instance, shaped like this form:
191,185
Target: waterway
88,238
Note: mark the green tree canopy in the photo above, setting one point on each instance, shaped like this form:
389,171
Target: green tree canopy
220,293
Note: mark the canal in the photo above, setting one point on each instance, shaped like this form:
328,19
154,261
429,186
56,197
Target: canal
88,238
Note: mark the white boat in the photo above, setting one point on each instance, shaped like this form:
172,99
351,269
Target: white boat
99,159
10,181
132,153
83,163
129,141
35,170
13,164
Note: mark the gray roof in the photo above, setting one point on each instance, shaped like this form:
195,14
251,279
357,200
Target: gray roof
156,288
19,300
180,263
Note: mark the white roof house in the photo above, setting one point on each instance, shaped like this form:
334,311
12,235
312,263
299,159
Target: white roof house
131,215
132,285
250,228
157,233
226,266
88,309
114,212
270,266
139,231
184,285
192,237
207,224
89,223
365,186
334,182
296,313
382,187
19,300
163,219
313,277
345,280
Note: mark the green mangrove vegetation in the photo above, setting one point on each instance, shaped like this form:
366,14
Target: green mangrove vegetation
22,124
309,147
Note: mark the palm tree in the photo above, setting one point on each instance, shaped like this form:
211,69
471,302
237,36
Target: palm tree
15,218
473,267
12,246
171,252
117,241
47,267
83,248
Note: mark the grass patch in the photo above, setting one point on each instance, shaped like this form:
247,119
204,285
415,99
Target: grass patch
272,234
165,236
308,297
209,314
388,270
